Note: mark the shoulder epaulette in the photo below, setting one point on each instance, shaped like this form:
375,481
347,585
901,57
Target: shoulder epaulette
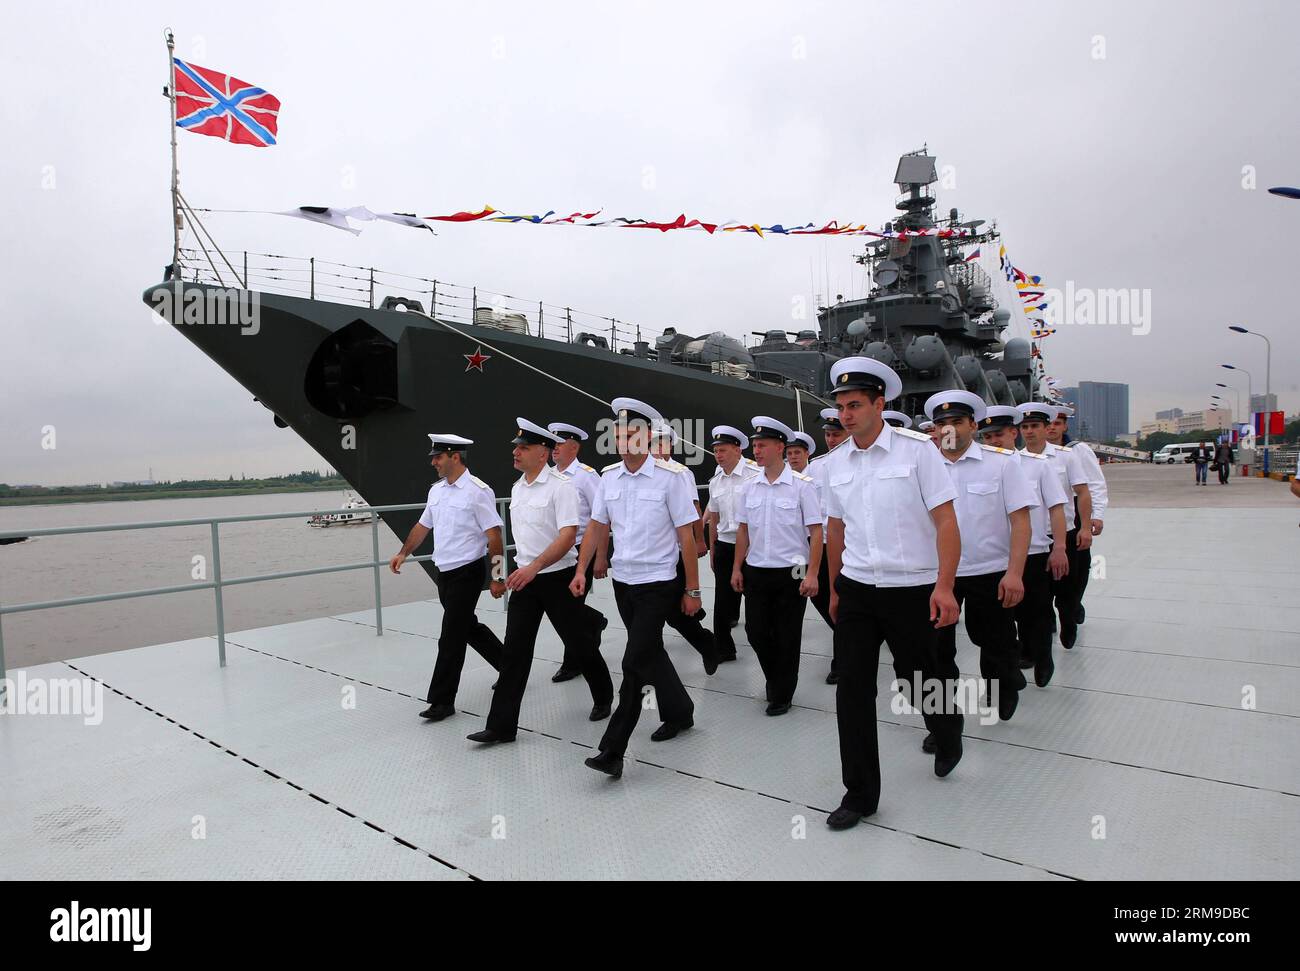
670,466
1041,456
751,463
480,483
995,448
587,467
801,475
909,433
612,465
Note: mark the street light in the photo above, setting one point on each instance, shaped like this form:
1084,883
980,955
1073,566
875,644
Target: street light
1268,371
1249,382
1236,391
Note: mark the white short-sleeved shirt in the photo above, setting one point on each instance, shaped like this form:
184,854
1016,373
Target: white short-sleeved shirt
884,495
538,511
1070,473
723,489
460,513
644,510
1096,480
1046,483
990,486
586,481
777,515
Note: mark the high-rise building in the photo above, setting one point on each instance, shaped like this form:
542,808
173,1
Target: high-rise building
1100,410
1210,420
1263,402
1169,414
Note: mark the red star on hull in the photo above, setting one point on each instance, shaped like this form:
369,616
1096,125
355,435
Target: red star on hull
476,359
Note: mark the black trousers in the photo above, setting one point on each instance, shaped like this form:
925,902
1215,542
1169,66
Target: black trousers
1034,612
774,625
458,592
691,628
900,617
1225,470
822,602
991,627
572,650
645,608
1067,592
547,595
726,602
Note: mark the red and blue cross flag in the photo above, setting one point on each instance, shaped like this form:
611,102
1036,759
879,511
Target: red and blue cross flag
211,103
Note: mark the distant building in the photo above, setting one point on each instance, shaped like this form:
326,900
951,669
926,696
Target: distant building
1263,402
1167,425
1128,438
1193,421
141,482
1169,414
1100,410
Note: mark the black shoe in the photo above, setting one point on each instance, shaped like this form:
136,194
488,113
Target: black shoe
1007,702
1043,672
599,712
604,622
726,656
1078,617
495,683
832,677
844,818
606,762
711,662
944,764
436,713
928,744
1026,662
1069,634
668,730
778,708
489,737
565,674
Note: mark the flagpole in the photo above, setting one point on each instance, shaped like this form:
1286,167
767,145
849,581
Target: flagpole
176,205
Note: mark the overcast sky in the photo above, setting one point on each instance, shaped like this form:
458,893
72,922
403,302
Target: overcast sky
1108,140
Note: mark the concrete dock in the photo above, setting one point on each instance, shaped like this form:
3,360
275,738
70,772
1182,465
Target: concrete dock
1165,747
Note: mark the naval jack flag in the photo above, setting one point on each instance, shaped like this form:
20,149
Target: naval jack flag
212,103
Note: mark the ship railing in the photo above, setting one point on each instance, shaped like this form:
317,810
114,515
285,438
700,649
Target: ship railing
219,583
367,286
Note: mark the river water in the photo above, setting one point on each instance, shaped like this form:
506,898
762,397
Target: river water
55,567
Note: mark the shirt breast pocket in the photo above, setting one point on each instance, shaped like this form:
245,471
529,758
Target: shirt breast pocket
982,488
787,512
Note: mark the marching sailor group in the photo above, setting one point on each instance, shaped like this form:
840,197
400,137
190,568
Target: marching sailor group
891,533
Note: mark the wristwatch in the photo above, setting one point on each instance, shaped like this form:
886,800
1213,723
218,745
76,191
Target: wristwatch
693,593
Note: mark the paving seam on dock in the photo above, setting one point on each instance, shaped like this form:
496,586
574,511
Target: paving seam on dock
681,772
274,775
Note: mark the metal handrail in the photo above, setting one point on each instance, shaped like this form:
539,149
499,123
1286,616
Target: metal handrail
217,584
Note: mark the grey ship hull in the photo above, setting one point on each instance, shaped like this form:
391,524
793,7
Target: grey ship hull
394,377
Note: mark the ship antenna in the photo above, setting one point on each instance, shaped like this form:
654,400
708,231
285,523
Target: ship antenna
176,203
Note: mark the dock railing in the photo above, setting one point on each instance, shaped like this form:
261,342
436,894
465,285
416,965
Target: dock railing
218,583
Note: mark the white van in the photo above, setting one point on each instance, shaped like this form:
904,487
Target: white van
1181,452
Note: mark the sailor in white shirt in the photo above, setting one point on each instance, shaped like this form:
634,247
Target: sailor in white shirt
929,428
585,480
690,627
897,419
800,449
729,444
832,433
1035,417
543,522
1081,565
1046,560
650,507
462,515
778,553
894,548
993,509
